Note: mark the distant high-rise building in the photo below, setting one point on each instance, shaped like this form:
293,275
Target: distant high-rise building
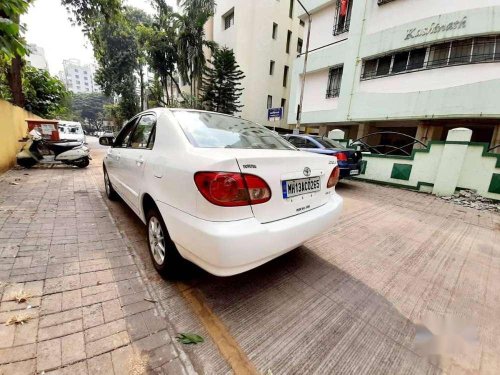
36,57
79,78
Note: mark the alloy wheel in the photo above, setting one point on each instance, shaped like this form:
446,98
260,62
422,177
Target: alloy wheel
156,240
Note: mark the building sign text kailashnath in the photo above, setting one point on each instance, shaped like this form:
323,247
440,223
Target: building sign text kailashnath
435,28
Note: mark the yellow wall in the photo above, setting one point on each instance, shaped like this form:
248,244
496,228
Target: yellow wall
12,128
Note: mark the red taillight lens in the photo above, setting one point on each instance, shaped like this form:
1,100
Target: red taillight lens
232,189
341,156
334,178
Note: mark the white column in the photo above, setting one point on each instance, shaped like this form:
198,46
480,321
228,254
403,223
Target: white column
451,161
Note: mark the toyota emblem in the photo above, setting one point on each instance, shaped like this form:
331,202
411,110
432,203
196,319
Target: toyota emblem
307,171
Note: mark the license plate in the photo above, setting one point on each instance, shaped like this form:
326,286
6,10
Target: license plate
354,171
292,188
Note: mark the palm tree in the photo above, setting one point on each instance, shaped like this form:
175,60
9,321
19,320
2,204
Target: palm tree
191,41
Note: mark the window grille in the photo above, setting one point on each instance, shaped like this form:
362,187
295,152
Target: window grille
334,81
342,22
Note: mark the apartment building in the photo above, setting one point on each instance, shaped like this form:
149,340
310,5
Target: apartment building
415,67
78,77
266,36
36,57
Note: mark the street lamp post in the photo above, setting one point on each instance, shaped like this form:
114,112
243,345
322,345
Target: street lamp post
303,83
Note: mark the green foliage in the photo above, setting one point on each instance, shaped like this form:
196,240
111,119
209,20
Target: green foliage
45,95
89,107
191,43
11,43
117,50
189,338
221,85
91,13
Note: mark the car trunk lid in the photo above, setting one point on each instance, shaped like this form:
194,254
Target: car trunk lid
277,167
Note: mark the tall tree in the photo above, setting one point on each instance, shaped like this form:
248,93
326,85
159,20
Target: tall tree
117,51
191,42
159,41
221,84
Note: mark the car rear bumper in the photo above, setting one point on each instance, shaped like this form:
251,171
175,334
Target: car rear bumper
229,248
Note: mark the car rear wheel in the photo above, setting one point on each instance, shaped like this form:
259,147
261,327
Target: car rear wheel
110,192
166,259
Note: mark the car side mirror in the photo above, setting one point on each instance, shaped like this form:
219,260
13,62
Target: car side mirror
106,140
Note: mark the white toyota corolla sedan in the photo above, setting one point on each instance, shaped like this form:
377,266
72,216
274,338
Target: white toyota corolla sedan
222,192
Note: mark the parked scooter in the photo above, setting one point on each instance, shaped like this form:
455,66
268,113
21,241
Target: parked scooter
71,153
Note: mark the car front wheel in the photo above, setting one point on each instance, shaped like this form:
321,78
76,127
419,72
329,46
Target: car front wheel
166,259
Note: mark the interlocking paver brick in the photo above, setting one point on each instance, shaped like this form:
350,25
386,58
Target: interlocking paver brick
107,343
62,317
101,365
19,368
71,299
121,359
92,315
48,355
51,303
73,348
59,330
112,310
107,329
26,333
18,353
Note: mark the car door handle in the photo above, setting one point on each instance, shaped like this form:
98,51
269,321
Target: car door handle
139,161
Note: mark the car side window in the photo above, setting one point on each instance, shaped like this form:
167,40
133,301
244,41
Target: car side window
122,139
309,144
141,136
297,142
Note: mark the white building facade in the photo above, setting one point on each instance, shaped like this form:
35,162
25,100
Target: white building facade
36,57
265,36
79,78
416,67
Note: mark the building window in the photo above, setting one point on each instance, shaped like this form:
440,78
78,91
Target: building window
228,19
275,30
269,101
290,10
285,75
456,52
460,51
302,23
300,42
342,16
288,39
334,81
283,104
483,49
271,67
438,55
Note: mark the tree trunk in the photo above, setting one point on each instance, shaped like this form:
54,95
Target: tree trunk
15,81
177,85
141,77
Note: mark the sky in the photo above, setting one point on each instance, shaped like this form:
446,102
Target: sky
48,26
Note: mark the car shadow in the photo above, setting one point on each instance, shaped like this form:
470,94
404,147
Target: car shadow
299,313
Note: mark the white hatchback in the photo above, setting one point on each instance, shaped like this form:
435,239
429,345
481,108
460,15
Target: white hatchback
222,192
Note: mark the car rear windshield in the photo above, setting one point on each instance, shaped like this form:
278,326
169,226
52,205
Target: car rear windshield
209,130
327,142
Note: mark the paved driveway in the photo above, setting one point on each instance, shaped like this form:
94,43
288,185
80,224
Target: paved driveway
351,300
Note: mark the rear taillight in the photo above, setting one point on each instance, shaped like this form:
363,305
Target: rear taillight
232,189
334,178
341,156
